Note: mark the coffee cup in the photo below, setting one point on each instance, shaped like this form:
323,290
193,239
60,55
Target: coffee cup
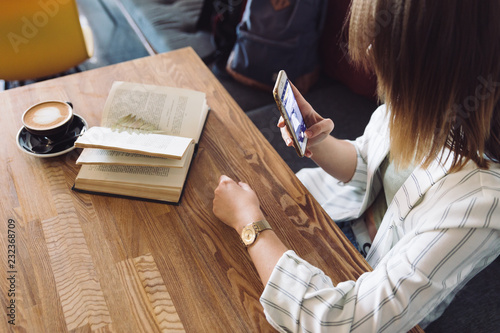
50,119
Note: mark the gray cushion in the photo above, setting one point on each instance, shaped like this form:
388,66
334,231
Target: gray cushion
170,24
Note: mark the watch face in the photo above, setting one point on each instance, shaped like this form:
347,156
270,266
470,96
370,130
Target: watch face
248,235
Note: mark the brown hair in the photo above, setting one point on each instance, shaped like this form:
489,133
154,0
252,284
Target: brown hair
438,66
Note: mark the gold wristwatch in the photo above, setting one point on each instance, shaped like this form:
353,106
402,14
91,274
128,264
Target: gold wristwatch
252,230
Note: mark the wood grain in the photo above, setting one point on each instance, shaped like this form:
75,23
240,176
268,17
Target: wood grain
153,307
79,290
88,263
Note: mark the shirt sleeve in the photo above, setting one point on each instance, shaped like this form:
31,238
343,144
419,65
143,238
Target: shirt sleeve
417,275
359,179
376,128
371,149
342,202
347,201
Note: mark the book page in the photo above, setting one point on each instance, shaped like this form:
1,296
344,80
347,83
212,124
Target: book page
159,145
125,174
168,110
103,156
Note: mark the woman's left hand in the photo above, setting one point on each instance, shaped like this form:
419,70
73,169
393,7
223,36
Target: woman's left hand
236,204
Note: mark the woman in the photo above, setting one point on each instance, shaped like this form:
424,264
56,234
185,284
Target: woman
429,159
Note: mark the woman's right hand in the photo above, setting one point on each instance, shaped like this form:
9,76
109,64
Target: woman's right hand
318,128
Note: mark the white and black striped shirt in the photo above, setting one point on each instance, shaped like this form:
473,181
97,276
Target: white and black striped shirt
440,230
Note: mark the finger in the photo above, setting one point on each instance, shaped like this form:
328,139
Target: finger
286,136
304,105
296,92
245,186
318,138
281,122
224,179
324,126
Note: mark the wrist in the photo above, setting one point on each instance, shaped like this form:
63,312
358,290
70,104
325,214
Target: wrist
323,145
246,221
252,230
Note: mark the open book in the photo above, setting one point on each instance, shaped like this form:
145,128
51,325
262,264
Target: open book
145,144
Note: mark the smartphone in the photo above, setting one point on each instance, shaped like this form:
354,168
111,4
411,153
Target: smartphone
283,95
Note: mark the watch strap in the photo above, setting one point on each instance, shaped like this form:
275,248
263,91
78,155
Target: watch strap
261,225
257,227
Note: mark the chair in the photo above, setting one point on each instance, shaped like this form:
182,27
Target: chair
39,38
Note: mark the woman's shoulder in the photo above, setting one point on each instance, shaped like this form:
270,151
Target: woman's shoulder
469,197
481,181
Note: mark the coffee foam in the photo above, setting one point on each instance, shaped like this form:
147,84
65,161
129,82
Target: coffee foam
47,115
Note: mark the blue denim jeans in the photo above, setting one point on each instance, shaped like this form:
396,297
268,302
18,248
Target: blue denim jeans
347,230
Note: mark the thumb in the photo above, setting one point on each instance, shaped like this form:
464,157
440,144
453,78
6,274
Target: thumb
225,180
281,122
323,126
245,186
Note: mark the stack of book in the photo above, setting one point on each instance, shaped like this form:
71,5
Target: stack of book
145,143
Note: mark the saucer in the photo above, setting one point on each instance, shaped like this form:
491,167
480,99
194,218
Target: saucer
25,139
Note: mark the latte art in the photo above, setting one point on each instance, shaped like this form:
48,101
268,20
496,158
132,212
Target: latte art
47,115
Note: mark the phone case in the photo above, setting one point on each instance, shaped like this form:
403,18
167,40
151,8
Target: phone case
284,114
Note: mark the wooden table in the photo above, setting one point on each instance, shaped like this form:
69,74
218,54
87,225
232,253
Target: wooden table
94,263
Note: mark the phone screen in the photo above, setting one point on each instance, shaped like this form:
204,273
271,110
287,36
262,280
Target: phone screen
294,115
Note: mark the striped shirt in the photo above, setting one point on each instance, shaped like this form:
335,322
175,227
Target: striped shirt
439,231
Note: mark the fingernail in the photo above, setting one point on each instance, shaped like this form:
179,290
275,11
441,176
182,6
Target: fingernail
288,141
308,134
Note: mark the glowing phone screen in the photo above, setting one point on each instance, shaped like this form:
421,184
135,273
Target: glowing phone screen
293,112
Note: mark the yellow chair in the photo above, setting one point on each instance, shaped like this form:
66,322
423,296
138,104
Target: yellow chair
40,38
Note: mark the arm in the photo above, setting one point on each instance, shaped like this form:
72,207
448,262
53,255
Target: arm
337,157
438,253
448,244
237,205
400,292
